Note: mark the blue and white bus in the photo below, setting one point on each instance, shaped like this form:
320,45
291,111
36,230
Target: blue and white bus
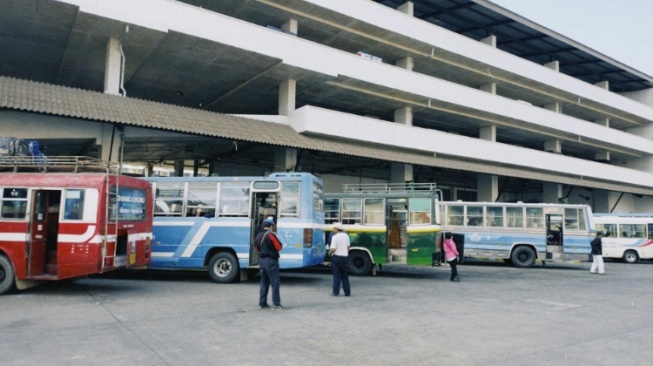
521,233
209,223
628,237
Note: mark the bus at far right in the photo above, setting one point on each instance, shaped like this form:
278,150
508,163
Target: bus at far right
628,237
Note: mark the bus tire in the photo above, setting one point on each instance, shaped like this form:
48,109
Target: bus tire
223,267
523,257
359,263
7,276
630,256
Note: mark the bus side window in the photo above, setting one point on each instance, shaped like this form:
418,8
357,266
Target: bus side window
455,215
331,210
474,216
161,207
169,198
374,211
234,199
352,211
420,210
74,206
14,203
14,209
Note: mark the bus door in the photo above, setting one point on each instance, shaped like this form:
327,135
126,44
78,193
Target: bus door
44,223
264,204
397,237
554,236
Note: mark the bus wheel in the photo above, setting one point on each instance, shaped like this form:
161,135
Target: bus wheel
223,267
7,276
359,263
523,257
630,256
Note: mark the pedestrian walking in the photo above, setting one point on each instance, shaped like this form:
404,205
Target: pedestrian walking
451,255
597,254
269,246
339,252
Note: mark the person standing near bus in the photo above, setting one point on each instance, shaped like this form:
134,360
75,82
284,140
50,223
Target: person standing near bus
597,254
451,255
269,246
339,252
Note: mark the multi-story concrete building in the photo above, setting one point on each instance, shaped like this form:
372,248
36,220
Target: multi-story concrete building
463,93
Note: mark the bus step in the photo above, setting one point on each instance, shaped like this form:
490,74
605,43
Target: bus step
51,269
52,257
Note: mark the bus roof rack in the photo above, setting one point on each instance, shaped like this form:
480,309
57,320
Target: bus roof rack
388,187
57,164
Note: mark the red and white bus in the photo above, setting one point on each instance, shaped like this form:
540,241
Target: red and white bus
56,225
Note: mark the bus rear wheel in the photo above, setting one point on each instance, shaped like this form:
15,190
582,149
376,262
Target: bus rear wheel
359,263
630,256
7,276
523,257
223,267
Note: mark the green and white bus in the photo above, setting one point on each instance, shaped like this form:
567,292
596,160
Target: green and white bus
387,223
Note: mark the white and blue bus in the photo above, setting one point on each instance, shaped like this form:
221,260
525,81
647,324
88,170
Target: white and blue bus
209,223
628,237
521,233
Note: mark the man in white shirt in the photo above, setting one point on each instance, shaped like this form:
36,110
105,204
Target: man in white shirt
339,251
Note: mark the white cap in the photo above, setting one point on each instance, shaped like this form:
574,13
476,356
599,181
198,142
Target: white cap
338,225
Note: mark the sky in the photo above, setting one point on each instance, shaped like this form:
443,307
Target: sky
620,29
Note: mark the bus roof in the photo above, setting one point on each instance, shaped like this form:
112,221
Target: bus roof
273,176
64,180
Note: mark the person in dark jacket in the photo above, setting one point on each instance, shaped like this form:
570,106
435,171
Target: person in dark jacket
597,254
269,246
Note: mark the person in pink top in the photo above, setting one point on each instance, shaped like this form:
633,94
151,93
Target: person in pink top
451,255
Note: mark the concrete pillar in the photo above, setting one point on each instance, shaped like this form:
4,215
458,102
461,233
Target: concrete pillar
290,26
603,84
601,201
488,133
401,173
287,94
179,168
551,192
554,146
490,88
214,169
408,7
405,63
110,141
490,41
602,155
487,187
553,65
285,159
605,122
404,116
112,67
197,163
554,107
149,170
